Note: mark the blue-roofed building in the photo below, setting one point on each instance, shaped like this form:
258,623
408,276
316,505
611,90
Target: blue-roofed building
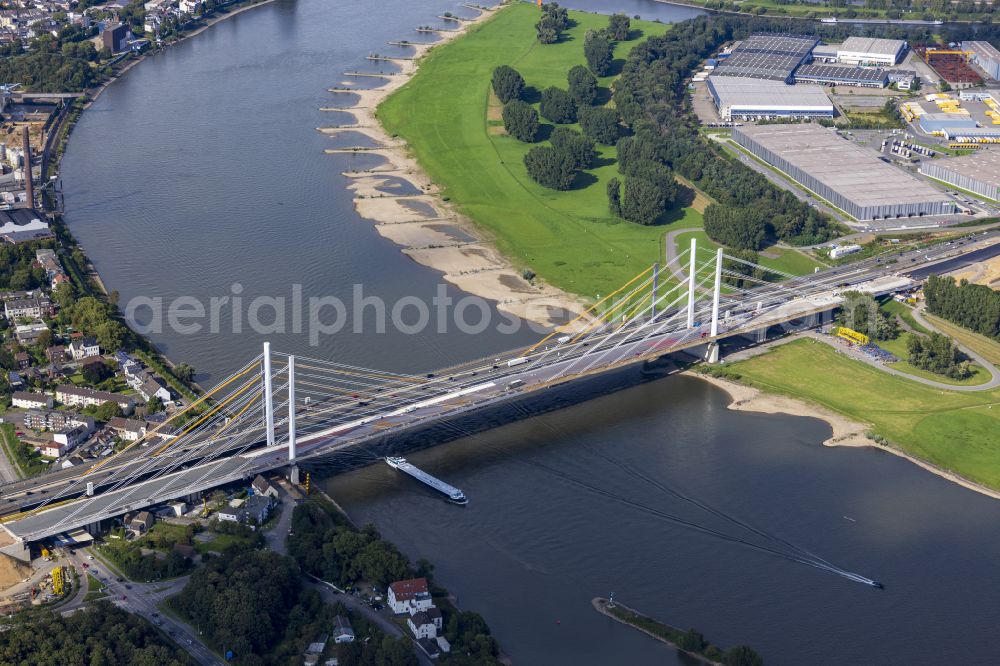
946,122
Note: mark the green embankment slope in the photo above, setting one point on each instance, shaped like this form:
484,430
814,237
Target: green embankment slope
953,430
568,238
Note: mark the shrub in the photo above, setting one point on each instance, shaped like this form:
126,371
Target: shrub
615,197
520,120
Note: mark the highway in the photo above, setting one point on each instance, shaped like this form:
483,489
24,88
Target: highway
338,420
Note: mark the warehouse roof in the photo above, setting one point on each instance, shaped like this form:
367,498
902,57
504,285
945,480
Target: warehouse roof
984,166
854,172
841,72
982,50
735,91
875,45
768,56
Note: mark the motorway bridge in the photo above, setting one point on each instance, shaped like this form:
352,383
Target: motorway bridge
279,410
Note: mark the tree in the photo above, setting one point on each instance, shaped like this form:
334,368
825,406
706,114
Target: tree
507,83
618,27
600,124
582,85
44,339
741,655
110,334
643,201
557,106
743,228
154,405
598,52
742,268
107,411
183,372
938,354
554,20
520,120
574,144
615,197
692,641
550,168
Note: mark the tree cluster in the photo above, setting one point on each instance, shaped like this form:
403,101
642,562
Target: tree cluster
582,85
938,354
554,21
972,306
17,269
100,634
861,313
649,187
556,166
557,106
600,124
618,27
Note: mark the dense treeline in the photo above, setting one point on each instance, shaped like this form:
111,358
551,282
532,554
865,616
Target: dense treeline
327,546
974,306
17,269
651,98
101,634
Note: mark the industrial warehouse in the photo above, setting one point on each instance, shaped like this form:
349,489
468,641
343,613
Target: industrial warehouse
739,98
984,56
978,173
849,177
755,78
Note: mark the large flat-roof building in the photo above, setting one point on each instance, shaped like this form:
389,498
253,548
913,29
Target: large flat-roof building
978,173
984,56
850,177
842,75
871,51
741,98
767,56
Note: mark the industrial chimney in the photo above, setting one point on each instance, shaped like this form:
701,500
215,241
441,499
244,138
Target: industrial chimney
28,185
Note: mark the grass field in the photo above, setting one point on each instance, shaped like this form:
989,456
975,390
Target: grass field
568,238
903,312
782,259
955,431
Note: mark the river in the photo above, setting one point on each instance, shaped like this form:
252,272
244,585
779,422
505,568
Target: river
201,168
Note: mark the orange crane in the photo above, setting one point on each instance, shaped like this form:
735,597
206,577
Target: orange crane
932,52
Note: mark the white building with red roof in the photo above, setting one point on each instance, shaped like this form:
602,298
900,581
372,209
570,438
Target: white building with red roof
409,596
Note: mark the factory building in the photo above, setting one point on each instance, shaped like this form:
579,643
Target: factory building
984,56
741,98
767,56
850,177
956,126
871,51
842,75
979,172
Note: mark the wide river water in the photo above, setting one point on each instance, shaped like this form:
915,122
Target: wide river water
201,169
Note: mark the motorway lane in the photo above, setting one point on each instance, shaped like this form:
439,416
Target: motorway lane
370,419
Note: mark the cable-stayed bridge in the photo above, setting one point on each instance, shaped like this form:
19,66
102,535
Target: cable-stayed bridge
279,410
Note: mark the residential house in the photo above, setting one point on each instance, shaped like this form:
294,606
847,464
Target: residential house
408,596
261,487
53,449
231,514
70,438
85,347
56,354
72,461
343,632
430,647
29,400
190,6
314,651
141,522
152,388
30,308
56,419
27,334
15,380
23,360
257,508
85,397
129,430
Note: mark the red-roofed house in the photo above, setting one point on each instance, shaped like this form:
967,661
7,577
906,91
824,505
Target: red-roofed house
409,596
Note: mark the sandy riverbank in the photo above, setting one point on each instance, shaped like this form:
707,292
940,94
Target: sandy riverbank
846,431
429,229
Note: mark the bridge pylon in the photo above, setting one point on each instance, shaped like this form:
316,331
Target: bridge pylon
692,270
268,395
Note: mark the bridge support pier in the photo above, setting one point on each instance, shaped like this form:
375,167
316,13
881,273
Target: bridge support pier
293,475
712,353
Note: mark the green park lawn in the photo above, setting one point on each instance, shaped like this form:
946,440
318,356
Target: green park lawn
955,431
567,238
782,259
